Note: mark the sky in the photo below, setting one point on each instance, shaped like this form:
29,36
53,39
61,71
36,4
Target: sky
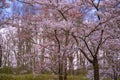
9,11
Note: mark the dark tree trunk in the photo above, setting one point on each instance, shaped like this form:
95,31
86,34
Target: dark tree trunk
65,71
114,74
60,75
60,70
0,56
65,74
96,69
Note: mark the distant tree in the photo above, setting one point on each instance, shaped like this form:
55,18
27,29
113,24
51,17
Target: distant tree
3,5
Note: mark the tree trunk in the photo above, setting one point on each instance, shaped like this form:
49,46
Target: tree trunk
0,56
65,67
114,74
60,70
65,74
96,69
60,74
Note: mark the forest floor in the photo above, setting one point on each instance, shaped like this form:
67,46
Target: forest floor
40,77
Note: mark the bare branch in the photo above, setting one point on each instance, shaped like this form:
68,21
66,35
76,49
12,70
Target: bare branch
100,42
91,61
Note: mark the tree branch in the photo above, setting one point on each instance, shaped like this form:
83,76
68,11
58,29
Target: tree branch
88,48
62,14
57,40
100,42
86,55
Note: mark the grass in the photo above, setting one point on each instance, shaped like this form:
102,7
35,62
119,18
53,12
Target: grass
31,77
40,77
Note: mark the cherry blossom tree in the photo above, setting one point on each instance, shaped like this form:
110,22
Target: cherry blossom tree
93,36
52,33
3,5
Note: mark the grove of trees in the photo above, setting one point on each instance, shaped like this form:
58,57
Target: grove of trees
64,37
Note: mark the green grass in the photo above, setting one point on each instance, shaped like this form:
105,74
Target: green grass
76,78
31,77
40,77
16,77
